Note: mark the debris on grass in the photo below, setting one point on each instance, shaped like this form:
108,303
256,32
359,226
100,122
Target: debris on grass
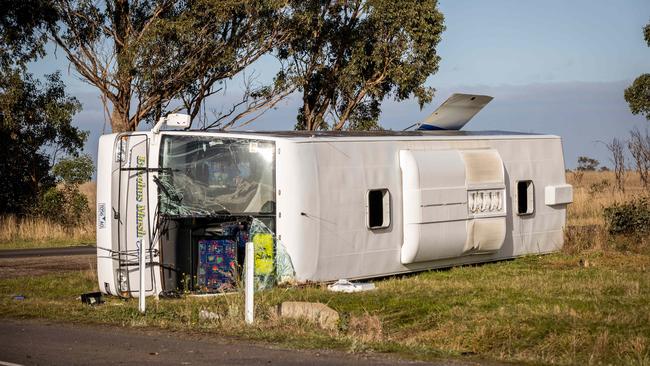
92,298
344,285
208,315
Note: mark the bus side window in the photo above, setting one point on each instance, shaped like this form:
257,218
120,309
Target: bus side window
525,197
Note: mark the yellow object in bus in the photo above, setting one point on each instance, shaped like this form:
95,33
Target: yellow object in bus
263,244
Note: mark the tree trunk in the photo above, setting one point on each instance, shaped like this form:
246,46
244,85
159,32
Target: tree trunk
119,121
122,104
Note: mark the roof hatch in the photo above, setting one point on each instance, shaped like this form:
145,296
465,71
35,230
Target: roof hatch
455,112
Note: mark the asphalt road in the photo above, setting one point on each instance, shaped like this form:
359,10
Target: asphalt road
32,342
47,252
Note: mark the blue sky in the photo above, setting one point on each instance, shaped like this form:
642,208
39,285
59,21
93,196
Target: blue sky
555,67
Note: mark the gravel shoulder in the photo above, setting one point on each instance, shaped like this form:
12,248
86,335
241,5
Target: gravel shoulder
38,266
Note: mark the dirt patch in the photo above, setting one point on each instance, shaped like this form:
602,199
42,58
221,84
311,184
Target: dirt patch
38,266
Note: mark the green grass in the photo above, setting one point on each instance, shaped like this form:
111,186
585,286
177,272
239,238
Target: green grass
546,309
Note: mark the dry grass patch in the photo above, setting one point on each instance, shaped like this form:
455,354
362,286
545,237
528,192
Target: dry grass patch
37,232
592,191
366,328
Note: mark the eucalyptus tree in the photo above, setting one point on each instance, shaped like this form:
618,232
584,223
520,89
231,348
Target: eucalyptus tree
22,31
346,57
35,115
35,125
149,57
637,95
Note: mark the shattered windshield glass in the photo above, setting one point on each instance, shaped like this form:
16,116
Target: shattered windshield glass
204,175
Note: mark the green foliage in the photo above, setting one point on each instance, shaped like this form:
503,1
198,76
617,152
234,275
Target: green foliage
51,202
36,122
364,117
347,57
74,170
629,218
587,164
35,125
65,204
637,95
22,31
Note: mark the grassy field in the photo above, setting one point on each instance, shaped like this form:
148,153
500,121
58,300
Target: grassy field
548,309
594,190
586,305
36,232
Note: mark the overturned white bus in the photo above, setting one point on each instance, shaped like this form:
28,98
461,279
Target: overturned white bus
342,204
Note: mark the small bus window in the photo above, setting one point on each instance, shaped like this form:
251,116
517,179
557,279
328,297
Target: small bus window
378,209
525,197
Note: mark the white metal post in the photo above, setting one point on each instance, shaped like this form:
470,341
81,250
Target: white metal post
249,283
141,300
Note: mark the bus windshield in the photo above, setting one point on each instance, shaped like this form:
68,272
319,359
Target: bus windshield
205,175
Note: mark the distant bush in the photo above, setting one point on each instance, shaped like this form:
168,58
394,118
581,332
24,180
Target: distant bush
65,204
74,171
629,218
587,164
